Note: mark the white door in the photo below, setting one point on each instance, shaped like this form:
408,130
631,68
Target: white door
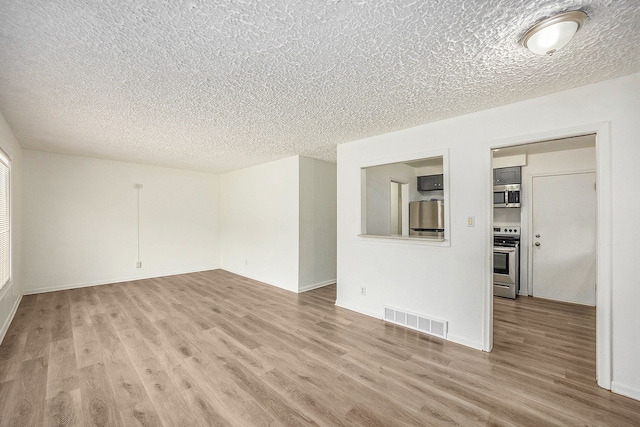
564,237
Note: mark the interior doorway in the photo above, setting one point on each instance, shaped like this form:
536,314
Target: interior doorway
398,208
395,207
600,150
538,162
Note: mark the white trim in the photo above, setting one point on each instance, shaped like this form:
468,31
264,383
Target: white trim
7,322
602,131
604,282
5,158
625,390
564,301
65,287
359,310
257,279
416,240
316,285
463,341
403,188
487,300
300,290
6,288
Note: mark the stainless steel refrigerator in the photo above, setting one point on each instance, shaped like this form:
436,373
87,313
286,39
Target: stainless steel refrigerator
426,218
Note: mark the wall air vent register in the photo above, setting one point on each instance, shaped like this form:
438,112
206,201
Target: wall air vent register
416,322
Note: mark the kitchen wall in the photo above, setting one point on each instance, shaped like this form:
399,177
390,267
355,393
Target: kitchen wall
453,283
557,162
318,217
80,221
377,194
507,216
10,294
260,222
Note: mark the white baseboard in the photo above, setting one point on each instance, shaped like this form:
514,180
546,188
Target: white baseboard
465,342
359,310
115,280
452,338
7,322
316,285
257,279
625,390
300,290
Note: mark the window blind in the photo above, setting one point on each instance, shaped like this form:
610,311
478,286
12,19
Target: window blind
5,222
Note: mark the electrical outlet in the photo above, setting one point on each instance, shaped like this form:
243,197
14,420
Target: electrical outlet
139,264
363,291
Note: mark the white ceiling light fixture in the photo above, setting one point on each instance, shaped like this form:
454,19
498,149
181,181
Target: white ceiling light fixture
553,33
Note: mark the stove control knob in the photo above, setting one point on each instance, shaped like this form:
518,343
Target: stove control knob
537,243
537,235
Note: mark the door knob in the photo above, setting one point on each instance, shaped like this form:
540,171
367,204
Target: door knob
537,235
537,243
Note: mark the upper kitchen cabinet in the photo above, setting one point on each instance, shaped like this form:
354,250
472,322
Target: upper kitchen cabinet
503,176
430,182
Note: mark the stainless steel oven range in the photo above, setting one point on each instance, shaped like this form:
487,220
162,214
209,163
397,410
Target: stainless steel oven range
506,261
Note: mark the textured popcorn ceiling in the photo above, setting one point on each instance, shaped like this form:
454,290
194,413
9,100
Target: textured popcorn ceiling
219,85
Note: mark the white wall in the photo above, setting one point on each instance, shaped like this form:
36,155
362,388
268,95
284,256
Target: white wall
80,221
10,294
260,222
317,223
378,194
429,170
451,283
507,216
279,223
557,162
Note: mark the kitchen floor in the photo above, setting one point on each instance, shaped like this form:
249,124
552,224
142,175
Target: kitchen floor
552,345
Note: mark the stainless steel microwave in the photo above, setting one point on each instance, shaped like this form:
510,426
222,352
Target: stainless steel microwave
506,196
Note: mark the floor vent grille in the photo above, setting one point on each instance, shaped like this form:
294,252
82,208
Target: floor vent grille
417,322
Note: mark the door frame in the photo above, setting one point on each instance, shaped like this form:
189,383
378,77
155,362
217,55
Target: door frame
404,193
604,227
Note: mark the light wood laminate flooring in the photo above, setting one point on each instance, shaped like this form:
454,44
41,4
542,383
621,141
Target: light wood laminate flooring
214,348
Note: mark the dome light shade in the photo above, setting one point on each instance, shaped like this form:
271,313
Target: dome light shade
553,33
